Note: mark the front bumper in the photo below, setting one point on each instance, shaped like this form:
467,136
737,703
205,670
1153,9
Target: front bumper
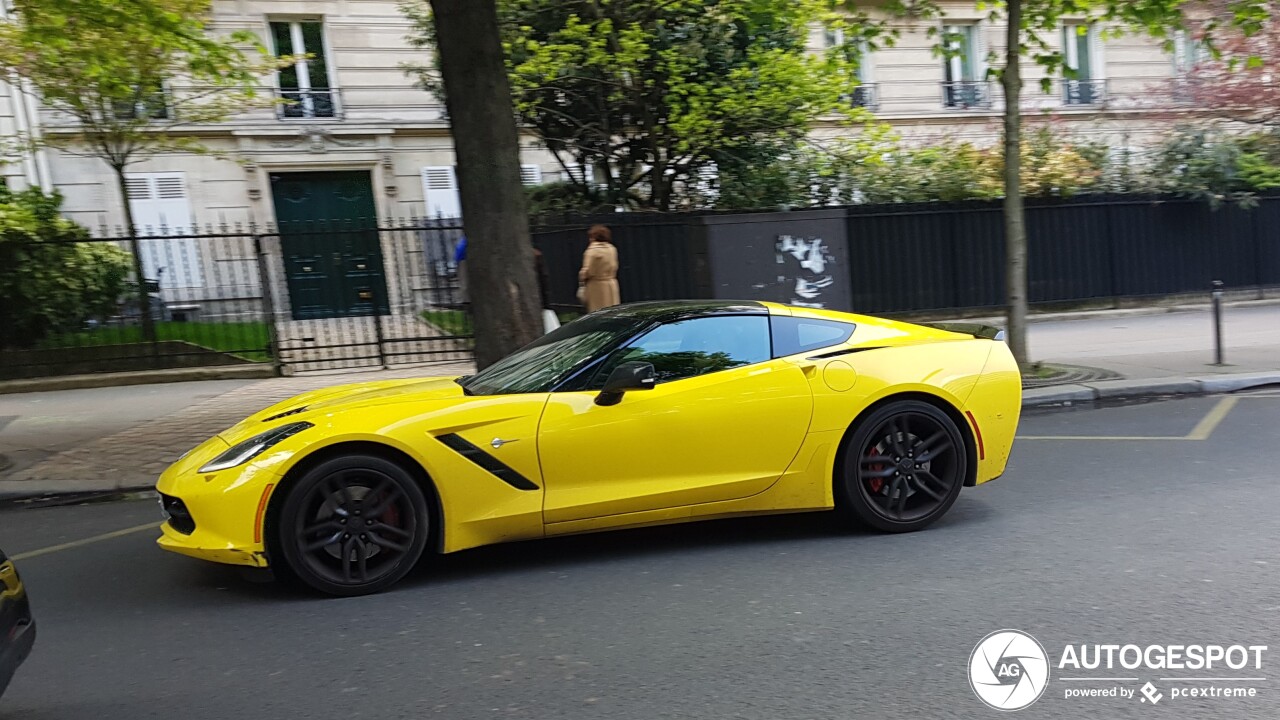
16,639
225,510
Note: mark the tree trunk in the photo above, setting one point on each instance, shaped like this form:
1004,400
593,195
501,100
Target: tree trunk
504,288
1015,226
135,247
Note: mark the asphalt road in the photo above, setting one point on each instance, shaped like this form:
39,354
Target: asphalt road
1159,541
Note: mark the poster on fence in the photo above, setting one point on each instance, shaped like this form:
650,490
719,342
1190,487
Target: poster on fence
797,258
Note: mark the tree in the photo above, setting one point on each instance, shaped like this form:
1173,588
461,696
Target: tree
1031,29
1237,82
114,68
648,97
487,146
50,280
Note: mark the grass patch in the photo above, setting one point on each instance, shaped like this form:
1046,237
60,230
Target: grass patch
450,322
242,339
1041,371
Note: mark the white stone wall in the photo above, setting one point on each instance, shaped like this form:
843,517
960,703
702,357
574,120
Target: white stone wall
393,129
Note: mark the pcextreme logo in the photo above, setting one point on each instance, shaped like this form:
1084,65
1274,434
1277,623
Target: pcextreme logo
1009,670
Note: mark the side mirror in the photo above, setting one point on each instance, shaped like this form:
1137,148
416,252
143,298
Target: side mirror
626,377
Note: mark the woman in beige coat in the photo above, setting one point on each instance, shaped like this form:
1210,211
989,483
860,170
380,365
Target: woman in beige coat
598,278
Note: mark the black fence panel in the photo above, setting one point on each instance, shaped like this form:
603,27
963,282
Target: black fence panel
925,257
1266,233
937,256
1068,256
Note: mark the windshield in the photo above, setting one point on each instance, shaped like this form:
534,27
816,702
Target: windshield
546,362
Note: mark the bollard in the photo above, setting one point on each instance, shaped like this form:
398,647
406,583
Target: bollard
1217,322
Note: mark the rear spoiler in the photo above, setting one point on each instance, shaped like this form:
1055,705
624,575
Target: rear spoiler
978,330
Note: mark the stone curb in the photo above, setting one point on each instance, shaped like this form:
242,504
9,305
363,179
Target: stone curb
255,371
1090,393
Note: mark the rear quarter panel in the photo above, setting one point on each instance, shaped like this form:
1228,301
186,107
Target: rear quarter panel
996,406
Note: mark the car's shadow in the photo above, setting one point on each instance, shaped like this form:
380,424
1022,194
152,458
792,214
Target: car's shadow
683,541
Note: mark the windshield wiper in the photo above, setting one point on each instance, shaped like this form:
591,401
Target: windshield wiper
462,382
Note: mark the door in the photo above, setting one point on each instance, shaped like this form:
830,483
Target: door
723,422
328,234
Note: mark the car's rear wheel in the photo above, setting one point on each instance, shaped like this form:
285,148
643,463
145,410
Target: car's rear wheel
903,466
353,525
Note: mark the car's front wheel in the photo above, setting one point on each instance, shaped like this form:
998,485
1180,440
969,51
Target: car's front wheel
903,466
353,525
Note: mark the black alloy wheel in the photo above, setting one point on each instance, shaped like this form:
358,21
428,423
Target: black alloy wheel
903,466
353,525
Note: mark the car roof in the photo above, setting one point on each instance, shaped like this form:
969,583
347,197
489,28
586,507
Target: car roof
673,310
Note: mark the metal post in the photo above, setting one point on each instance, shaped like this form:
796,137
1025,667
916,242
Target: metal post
1217,322
268,303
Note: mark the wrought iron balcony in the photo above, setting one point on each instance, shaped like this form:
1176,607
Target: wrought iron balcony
1084,92
966,94
313,103
866,96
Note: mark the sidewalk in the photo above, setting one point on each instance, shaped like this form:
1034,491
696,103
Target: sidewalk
1157,354
135,457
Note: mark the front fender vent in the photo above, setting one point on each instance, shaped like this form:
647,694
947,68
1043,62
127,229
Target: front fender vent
493,465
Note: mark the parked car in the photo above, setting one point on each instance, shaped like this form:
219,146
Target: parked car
635,415
17,627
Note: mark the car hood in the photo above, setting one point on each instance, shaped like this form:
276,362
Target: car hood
425,392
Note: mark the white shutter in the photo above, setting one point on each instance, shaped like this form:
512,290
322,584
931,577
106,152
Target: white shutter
161,207
440,191
707,176
573,173
866,74
531,174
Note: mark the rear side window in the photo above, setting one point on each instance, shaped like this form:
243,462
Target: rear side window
792,335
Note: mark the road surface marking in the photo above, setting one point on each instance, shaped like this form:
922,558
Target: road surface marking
1098,437
87,541
1201,431
1210,422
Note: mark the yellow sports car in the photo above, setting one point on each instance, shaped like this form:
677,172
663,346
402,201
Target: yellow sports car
641,414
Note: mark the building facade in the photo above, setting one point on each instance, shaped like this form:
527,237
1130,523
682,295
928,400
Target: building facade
358,142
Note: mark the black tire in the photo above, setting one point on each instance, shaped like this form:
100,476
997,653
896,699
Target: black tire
902,467
373,514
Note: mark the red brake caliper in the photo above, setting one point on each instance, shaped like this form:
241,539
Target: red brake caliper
876,484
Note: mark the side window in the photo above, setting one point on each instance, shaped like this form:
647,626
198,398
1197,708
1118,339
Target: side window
700,346
792,335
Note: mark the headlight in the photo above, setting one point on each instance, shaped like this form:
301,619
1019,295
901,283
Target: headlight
243,452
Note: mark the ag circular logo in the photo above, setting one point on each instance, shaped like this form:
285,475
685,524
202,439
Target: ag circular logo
1008,670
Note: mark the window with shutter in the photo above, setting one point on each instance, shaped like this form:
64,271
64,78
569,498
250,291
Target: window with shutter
440,191
161,208
531,174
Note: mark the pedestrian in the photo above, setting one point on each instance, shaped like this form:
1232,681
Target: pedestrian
460,268
598,278
550,321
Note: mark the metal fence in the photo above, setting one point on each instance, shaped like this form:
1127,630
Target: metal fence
944,256
324,296
305,297
909,258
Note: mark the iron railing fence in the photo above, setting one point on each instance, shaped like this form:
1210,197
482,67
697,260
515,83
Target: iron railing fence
332,296
312,296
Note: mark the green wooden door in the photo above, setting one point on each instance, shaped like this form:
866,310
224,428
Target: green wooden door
328,233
